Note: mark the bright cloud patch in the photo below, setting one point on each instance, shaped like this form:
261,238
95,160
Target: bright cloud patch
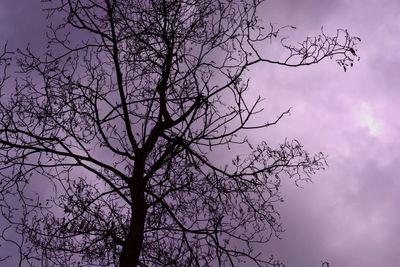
364,116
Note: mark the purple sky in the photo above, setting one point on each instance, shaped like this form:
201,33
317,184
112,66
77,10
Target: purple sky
349,215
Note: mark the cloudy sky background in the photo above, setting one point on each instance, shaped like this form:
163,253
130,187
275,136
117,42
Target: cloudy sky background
349,216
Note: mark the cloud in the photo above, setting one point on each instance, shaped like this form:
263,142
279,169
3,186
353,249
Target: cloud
348,216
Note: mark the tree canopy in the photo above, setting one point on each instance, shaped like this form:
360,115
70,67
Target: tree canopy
106,139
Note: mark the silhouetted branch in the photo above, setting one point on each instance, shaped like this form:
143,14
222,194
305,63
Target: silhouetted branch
107,140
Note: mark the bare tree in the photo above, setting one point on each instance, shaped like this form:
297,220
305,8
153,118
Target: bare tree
106,143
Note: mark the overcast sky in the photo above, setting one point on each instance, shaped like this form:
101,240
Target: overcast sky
349,216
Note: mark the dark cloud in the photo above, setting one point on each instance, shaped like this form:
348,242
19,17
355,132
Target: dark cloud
22,22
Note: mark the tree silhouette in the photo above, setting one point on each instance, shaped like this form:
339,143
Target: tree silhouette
108,141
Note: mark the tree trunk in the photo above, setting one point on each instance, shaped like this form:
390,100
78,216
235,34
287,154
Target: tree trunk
134,241
133,244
